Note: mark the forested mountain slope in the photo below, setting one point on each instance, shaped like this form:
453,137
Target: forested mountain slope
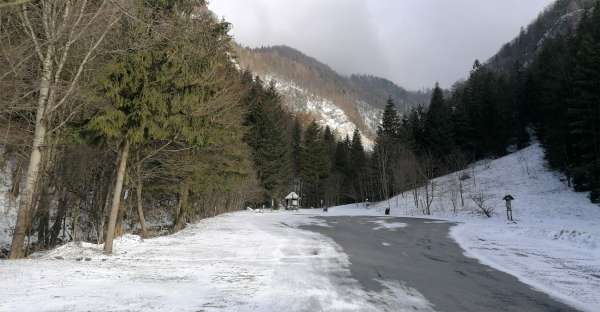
560,18
313,88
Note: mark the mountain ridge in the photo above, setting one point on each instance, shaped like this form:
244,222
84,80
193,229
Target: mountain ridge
311,87
560,17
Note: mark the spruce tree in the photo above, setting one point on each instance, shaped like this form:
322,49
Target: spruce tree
315,165
358,165
296,146
547,86
391,123
270,147
584,105
163,90
386,152
438,129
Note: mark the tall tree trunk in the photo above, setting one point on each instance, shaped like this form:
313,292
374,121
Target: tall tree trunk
43,216
108,201
119,227
116,201
183,206
140,208
60,216
16,179
35,160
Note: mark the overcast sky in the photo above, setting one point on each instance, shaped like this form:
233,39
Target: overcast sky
411,42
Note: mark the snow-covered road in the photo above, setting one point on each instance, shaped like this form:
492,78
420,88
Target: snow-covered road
236,262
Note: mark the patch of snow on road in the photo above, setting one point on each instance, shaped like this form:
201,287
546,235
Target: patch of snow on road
554,245
243,261
385,225
407,298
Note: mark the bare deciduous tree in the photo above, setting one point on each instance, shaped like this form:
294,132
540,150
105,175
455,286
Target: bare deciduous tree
481,200
64,35
427,173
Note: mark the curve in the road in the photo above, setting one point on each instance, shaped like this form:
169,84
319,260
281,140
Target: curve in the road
424,257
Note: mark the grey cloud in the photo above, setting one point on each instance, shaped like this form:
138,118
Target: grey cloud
412,42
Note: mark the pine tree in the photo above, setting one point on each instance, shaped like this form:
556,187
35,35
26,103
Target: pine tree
341,172
315,165
386,152
296,146
391,123
438,129
329,141
547,86
584,106
267,137
358,164
162,90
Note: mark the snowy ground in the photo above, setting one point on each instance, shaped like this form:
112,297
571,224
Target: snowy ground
554,245
252,261
237,262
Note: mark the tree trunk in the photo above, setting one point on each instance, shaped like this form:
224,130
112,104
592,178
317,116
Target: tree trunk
116,201
461,190
35,161
43,216
183,206
121,215
60,216
16,180
140,209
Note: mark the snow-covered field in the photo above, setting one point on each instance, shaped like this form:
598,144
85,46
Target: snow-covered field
554,245
237,262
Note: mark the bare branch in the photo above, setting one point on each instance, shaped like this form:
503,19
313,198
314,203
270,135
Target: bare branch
29,29
82,65
14,3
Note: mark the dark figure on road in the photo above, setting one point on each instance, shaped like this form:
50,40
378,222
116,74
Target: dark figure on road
387,211
509,199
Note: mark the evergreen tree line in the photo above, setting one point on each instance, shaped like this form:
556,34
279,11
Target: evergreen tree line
132,117
153,128
311,161
161,128
562,99
556,98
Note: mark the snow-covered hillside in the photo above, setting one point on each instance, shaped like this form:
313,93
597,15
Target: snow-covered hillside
325,110
554,245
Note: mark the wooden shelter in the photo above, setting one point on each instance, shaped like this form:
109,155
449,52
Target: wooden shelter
292,201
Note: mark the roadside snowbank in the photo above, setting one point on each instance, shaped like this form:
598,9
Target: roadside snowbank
554,245
236,262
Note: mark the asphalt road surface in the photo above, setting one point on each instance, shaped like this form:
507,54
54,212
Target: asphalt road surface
424,257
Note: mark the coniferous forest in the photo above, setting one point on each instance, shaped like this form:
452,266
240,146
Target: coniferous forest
114,114
554,99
